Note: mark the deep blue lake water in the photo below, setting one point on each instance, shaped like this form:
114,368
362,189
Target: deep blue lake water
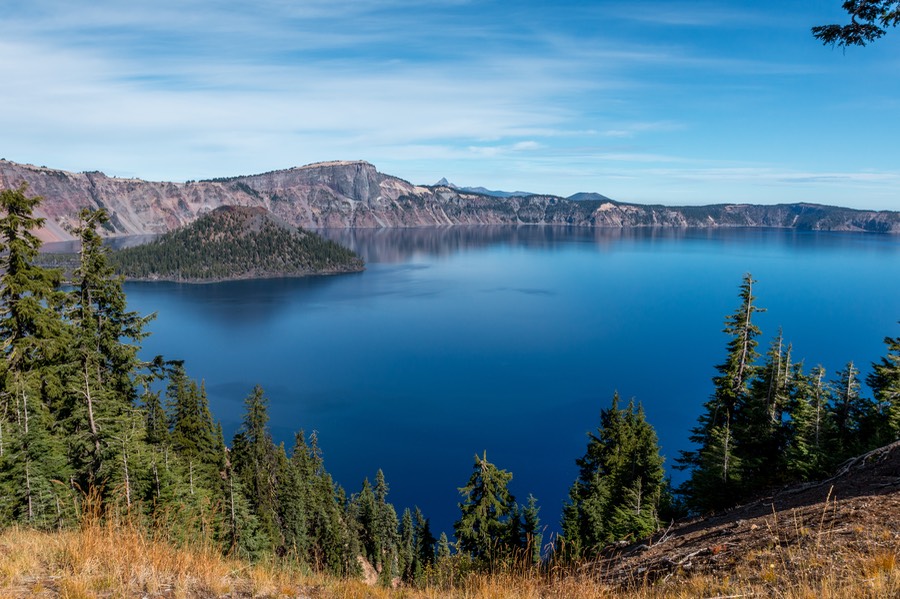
510,340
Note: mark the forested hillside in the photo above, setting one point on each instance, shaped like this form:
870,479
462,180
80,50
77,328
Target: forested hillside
234,242
87,426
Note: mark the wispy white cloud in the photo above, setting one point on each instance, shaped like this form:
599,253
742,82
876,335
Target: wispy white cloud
580,95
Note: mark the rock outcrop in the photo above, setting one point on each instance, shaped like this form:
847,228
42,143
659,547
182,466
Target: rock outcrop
354,194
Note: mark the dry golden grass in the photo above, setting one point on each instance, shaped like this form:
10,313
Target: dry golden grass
117,560
114,560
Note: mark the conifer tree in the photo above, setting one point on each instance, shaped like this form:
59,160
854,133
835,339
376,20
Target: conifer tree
406,549
482,530
98,414
365,513
292,506
423,551
851,414
157,421
759,427
619,486
386,534
243,537
714,480
809,426
331,543
443,550
35,344
99,310
531,527
885,384
255,464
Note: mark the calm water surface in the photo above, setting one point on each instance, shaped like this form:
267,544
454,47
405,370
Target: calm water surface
510,340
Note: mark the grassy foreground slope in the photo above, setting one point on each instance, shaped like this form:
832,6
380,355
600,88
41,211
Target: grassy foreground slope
117,561
829,540
235,242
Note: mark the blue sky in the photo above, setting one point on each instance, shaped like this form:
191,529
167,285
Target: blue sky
645,101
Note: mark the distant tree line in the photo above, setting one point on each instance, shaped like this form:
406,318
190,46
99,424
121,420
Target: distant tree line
234,242
85,422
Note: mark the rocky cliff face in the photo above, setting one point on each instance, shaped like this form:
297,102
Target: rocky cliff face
354,194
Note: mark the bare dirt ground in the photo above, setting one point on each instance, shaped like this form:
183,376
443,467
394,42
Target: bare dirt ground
832,528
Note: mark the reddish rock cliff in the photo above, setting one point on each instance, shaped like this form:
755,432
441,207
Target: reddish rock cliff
354,194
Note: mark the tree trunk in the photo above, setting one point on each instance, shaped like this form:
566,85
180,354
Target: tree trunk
90,407
28,489
127,481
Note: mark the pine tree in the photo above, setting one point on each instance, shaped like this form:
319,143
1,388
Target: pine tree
157,421
851,414
423,551
366,518
406,549
255,463
443,550
386,534
809,426
98,414
99,309
331,544
885,384
759,427
531,527
243,536
482,530
291,507
714,480
35,344
619,485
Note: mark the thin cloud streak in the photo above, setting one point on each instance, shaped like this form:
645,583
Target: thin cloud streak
573,97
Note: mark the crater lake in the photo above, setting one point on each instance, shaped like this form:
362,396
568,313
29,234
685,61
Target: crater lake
510,340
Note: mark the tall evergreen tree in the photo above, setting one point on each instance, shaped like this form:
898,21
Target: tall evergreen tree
99,310
619,485
885,384
531,528
851,414
406,548
332,546
809,426
759,427
482,530
423,554
99,415
714,480
35,342
255,464
366,516
386,534
292,507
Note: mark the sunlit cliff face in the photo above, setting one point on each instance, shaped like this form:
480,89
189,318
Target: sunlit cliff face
343,194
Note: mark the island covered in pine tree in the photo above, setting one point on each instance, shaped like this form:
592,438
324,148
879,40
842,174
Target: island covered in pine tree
235,242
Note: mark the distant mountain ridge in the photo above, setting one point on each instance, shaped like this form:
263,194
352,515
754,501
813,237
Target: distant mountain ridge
483,190
343,194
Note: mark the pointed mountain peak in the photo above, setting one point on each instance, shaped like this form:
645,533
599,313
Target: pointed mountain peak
444,183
